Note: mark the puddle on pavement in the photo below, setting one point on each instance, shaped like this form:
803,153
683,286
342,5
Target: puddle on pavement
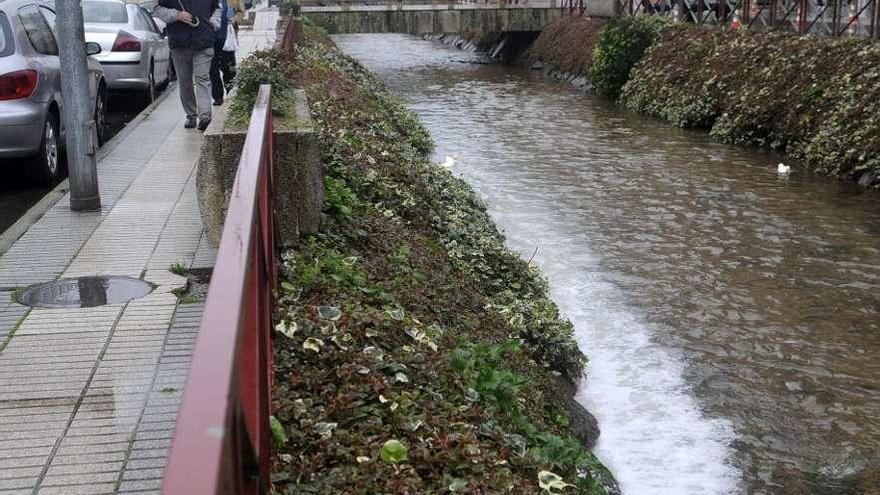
84,292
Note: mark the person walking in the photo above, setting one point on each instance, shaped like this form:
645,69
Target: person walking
225,45
191,26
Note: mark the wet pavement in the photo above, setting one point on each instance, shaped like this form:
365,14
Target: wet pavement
84,292
17,195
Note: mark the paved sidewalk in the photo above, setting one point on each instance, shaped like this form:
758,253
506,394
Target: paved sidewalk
89,397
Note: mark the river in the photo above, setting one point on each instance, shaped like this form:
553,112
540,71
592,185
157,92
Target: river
730,315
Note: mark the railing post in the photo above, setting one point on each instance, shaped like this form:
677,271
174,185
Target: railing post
772,14
835,18
802,16
854,12
874,12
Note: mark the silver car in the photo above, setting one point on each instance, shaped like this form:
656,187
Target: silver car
31,130
134,51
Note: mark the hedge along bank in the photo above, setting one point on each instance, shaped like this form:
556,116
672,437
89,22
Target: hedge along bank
813,98
817,99
415,353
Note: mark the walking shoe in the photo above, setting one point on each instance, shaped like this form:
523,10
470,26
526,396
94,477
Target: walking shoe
204,123
190,123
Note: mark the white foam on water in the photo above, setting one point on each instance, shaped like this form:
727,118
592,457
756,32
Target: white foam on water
655,439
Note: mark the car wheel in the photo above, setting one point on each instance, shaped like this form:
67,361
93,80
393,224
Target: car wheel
46,166
101,115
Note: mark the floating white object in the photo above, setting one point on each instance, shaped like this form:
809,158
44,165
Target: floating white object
450,162
783,169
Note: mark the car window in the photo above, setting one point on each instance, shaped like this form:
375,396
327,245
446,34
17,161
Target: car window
6,46
49,15
105,12
140,22
38,31
151,26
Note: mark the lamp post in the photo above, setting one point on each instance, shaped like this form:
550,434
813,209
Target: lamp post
79,120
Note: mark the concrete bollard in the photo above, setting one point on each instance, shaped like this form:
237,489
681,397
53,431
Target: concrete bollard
299,174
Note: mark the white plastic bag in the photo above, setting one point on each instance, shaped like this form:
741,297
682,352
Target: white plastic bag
231,44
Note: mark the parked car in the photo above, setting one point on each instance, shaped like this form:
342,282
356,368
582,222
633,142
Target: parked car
135,52
31,127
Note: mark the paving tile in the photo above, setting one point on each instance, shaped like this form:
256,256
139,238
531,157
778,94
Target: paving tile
17,483
88,488
133,485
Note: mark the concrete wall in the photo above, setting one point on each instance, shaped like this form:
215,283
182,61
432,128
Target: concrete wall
603,8
420,22
299,174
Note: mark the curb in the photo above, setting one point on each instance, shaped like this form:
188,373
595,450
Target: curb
36,212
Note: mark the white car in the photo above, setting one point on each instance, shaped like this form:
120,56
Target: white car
134,51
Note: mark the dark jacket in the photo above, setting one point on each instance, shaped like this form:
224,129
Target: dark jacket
182,35
220,35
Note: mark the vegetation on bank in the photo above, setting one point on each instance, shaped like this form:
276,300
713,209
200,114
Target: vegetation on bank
621,45
813,98
415,353
566,45
262,67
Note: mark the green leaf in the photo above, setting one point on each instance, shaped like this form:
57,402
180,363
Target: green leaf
457,485
551,481
393,451
325,430
288,329
313,344
329,313
278,433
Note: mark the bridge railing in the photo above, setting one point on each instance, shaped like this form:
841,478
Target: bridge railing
403,4
820,17
221,442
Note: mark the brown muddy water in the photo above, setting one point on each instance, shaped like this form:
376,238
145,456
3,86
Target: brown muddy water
730,315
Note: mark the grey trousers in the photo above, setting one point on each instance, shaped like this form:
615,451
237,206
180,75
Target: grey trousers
194,78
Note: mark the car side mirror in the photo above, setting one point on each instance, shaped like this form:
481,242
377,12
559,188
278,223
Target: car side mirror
92,48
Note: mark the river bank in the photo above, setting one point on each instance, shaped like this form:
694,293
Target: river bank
416,353
823,117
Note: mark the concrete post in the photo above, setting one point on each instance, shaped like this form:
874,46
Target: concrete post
77,111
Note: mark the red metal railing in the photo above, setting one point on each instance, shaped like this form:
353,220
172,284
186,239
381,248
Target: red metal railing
221,444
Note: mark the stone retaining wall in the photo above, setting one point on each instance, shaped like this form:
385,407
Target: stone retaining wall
299,174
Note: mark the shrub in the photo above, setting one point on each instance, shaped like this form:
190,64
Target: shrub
567,44
621,45
814,98
263,67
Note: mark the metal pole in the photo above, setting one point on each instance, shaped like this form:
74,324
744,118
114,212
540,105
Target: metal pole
77,114
874,12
